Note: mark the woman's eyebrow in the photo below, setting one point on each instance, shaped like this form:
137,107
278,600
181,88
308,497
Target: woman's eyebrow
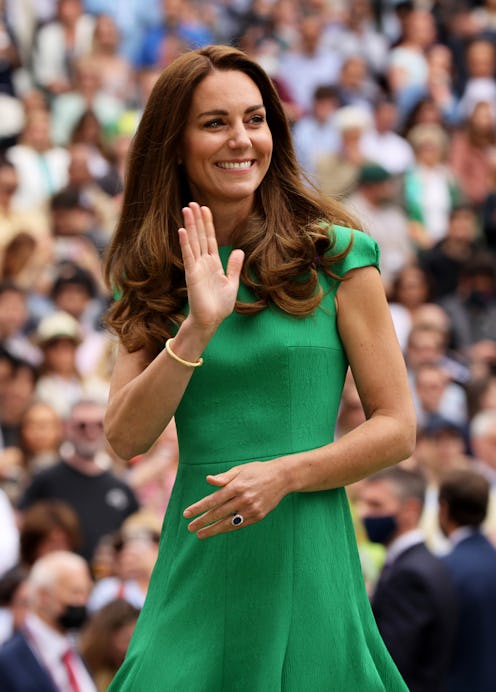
220,111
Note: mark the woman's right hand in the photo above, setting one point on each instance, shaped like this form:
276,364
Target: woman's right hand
211,291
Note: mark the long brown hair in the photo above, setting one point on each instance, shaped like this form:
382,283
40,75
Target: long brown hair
285,239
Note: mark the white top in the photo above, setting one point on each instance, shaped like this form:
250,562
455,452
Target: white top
49,646
9,535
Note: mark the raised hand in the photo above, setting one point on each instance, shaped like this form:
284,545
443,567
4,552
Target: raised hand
211,291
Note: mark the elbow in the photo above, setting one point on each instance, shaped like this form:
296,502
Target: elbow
407,436
122,444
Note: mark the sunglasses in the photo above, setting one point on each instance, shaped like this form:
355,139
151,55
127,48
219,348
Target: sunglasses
84,425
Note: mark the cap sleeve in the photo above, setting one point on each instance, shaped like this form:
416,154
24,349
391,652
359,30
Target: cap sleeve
364,251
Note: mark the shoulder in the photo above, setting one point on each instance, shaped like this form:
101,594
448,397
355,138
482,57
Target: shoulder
363,250
13,649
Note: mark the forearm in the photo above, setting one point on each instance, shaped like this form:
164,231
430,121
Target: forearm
381,441
139,411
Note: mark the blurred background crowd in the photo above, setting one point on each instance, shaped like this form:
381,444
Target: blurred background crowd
392,105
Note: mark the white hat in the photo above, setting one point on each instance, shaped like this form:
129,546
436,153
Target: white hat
58,325
352,117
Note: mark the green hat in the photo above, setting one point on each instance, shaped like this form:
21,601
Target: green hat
371,173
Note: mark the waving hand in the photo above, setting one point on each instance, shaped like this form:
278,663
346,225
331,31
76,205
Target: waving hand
211,291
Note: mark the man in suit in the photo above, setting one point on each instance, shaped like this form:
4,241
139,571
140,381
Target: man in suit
41,657
463,502
414,600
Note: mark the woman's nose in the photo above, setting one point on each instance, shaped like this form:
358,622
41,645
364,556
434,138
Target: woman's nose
239,137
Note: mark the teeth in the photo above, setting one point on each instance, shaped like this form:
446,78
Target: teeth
234,164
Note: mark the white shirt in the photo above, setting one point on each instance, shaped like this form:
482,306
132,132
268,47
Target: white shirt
404,542
388,149
49,646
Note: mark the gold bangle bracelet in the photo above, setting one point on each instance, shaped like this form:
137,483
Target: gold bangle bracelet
187,363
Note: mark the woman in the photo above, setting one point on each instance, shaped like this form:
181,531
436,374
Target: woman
274,598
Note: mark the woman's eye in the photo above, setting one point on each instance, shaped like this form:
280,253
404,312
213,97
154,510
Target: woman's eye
212,124
257,119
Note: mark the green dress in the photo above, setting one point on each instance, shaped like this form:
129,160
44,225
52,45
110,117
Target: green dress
279,605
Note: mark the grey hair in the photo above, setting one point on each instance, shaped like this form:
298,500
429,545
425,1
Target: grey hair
47,569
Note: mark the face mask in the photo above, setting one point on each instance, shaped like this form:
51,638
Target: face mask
73,617
380,529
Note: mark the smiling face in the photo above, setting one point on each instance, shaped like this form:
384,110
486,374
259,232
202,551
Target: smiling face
227,145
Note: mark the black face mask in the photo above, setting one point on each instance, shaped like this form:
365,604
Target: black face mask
380,529
73,617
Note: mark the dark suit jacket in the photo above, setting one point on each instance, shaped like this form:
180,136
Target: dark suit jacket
415,608
20,670
472,565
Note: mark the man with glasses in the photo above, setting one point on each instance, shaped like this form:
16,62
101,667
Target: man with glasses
101,499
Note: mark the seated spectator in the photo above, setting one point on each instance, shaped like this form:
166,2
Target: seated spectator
383,144
427,345
15,323
101,500
97,191
338,174
472,307
16,395
75,292
375,205
442,447
61,384
443,262
87,93
358,34
42,655
58,42
88,131
26,264
463,501
430,188
410,290
430,384
135,554
309,62
41,435
105,638
315,134
471,150
13,220
480,62
408,69
354,85
39,439
181,20
77,236
41,166
116,70
47,526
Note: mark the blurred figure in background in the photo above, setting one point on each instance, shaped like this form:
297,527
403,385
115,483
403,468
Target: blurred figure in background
414,601
42,656
47,526
101,500
463,502
105,638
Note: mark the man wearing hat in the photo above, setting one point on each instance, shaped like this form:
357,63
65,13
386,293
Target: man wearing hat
374,203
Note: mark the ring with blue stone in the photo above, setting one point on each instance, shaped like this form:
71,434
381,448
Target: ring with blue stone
237,520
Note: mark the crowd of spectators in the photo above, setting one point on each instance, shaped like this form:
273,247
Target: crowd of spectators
392,105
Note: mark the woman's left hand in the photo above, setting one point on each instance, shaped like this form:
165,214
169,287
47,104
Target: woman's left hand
251,490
